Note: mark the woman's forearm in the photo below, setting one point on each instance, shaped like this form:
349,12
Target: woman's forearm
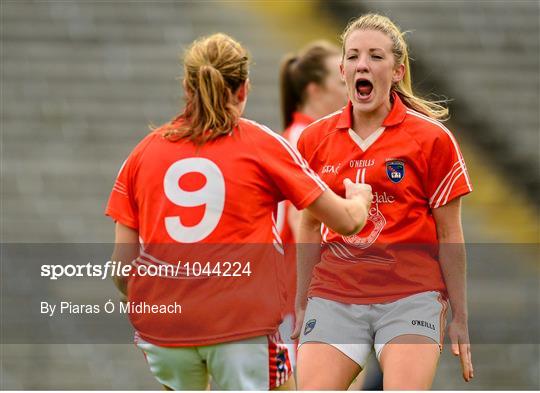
126,249
308,254
452,257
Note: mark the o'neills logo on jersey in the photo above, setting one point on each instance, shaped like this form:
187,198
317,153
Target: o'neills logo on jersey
330,169
416,322
361,163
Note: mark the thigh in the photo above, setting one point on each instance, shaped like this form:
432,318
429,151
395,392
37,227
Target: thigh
422,314
409,362
335,343
409,338
324,367
176,368
346,327
258,363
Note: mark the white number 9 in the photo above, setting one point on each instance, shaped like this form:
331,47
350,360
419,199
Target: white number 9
212,194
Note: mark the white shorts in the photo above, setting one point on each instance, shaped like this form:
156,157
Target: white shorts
258,363
356,329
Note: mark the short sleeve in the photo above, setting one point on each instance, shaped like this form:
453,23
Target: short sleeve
121,206
448,176
296,181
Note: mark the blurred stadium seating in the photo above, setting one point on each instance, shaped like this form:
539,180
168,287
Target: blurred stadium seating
81,82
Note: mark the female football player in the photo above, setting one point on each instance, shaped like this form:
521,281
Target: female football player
387,287
193,206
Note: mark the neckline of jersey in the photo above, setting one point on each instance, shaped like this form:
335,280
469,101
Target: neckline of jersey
365,144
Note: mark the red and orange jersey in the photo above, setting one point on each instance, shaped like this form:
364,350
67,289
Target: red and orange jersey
414,165
216,196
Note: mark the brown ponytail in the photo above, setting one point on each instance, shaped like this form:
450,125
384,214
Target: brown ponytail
298,71
214,68
290,99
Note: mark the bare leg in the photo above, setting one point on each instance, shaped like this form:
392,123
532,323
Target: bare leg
358,382
409,362
323,367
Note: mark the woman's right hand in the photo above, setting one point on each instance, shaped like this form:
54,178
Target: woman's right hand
359,196
344,216
298,322
358,191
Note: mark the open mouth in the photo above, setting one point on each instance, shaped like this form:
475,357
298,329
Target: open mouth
364,87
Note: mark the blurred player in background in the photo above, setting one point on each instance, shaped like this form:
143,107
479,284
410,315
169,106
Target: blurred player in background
386,287
210,180
311,87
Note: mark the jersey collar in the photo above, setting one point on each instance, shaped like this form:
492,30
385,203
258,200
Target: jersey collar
395,117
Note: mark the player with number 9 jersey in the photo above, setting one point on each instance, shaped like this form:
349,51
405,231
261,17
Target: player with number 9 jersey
218,194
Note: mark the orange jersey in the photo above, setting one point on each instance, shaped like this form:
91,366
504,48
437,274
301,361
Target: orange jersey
414,165
210,203
292,134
